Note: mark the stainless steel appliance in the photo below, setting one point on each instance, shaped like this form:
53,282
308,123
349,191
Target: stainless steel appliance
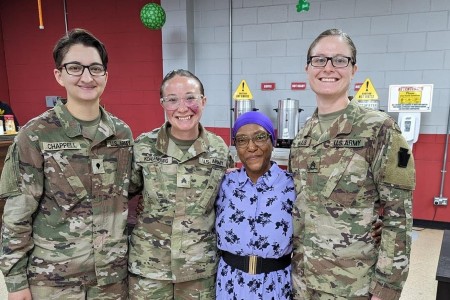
243,106
288,117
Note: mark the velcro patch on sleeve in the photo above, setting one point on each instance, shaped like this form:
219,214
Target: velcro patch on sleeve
399,169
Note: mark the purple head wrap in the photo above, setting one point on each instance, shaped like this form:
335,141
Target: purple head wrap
254,117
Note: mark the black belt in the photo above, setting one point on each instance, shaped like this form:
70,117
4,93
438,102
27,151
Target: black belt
255,264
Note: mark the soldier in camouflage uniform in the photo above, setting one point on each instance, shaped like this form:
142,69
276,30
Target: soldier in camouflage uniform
65,181
178,168
348,162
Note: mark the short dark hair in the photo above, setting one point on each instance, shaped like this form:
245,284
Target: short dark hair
333,32
183,73
74,37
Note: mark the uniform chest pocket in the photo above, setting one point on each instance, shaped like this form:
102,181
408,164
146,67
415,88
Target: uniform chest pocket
158,180
208,197
61,178
123,170
205,181
346,178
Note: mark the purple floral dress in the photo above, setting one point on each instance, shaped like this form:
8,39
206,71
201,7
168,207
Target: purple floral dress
255,219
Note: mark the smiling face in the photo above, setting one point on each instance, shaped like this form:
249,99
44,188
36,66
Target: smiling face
256,159
184,119
85,87
330,83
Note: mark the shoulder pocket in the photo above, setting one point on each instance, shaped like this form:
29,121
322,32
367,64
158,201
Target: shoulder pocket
398,169
9,182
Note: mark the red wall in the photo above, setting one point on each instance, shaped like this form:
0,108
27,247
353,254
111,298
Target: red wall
429,156
135,56
4,91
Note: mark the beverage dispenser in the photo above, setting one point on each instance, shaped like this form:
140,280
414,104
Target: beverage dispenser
288,117
243,106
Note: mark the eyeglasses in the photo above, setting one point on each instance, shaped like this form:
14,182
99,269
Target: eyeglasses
260,139
337,61
173,102
76,69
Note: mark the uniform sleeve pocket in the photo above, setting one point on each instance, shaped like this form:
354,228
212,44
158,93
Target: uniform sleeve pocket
10,179
386,255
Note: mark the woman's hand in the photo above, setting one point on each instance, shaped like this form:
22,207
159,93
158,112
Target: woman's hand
20,295
377,230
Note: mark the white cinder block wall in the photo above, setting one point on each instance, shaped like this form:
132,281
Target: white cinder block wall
398,42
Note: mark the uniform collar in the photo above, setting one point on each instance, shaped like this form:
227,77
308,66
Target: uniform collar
165,145
72,127
342,125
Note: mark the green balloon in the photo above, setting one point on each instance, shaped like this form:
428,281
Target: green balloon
153,16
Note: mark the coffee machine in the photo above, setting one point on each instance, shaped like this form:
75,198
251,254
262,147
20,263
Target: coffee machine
243,106
288,117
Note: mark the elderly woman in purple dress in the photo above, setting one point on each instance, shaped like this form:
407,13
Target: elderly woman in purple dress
254,218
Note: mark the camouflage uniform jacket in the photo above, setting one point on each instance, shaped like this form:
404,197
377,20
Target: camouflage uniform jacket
343,177
174,237
67,202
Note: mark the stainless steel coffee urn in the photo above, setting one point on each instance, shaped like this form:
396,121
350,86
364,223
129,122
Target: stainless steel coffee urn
243,106
288,117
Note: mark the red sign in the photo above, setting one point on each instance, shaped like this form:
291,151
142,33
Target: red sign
298,85
358,86
267,86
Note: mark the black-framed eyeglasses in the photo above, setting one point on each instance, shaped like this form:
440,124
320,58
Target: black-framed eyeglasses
173,102
259,139
337,61
77,69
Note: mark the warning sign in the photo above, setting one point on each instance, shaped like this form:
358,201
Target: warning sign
366,91
243,92
410,98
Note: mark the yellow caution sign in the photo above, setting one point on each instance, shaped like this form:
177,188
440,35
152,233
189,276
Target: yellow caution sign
366,92
243,92
410,96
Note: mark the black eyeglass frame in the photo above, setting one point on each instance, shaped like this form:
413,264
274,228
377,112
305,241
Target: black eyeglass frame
330,58
84,67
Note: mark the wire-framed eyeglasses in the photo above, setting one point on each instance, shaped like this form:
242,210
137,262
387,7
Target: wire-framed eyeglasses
173,102
337,61
259,139
77,69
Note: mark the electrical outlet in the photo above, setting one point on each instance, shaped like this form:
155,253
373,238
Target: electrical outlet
440,201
